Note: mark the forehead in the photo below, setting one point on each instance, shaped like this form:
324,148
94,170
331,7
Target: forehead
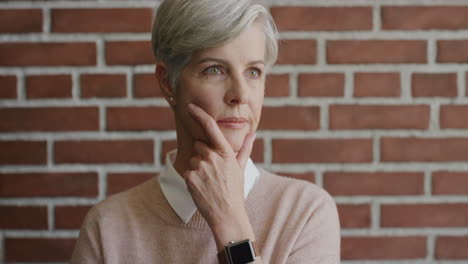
247,46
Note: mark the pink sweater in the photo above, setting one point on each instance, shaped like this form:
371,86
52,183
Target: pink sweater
294,222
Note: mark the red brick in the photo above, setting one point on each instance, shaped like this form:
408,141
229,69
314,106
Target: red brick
379,116
454,51
23,152
448,182
103,20
309,176
47,54
374,183
8,87
52,184
377,84
424,215
434,84
290,118
49,119
297,51
146,85
383,247
23,217
354,215
129,53
49,86
321,84
70,217
322,150
140,118
453,116
424,149
277,85
103,85
119,182
104,151
466,87
322,18
256,155
451,247
39,249
20,20
424,17
376,51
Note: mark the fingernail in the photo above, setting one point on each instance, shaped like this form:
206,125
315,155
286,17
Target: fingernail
190,106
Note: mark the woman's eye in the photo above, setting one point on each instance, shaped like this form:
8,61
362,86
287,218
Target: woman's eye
254,73
213,70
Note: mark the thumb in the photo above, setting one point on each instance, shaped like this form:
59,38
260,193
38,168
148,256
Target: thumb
244,152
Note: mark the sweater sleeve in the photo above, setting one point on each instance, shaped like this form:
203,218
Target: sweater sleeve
88,246
319,241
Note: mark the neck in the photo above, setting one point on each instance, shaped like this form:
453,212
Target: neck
184,152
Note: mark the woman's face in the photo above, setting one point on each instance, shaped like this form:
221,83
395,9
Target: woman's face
227,82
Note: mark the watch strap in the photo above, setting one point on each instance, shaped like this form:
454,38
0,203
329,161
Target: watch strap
223,257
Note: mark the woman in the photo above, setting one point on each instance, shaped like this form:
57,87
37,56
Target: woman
211,204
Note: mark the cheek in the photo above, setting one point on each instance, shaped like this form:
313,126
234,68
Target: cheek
256,106
211,102
200,91
211,97
200,94
257,112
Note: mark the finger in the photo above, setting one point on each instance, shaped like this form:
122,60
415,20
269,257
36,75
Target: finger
210,127
191,178
244,152
202,149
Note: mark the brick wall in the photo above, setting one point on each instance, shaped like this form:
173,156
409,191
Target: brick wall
368,100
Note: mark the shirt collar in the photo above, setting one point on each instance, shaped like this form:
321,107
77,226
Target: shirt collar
175,190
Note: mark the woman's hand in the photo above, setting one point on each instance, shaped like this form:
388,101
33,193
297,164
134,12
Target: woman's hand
216,181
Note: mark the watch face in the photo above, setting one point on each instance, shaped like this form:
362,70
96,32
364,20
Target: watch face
241,253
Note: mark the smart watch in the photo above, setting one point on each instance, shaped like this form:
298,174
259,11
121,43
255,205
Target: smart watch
241,252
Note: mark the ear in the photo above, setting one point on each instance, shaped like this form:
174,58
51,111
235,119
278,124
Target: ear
161,74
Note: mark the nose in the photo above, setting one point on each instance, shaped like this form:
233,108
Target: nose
237,92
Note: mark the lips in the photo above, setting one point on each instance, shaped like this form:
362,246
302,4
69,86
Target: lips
233,122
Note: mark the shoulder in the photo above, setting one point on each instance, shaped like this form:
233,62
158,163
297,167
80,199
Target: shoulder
299,200
288,187
123,204
295,199
303,212
314,204
311,216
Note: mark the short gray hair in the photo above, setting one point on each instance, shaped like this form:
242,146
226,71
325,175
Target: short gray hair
181,27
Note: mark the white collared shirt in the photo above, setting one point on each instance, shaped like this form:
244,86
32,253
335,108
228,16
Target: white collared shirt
175,189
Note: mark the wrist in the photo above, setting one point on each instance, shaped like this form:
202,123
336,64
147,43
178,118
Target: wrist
240,252
232,228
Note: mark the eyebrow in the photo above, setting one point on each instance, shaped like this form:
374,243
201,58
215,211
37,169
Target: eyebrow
226,62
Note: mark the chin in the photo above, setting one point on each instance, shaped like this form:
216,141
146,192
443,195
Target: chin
235,140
